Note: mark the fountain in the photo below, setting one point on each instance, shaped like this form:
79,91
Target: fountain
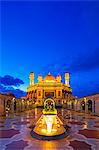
49,126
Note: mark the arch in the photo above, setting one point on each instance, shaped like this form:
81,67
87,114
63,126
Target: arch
72,105
83,105
8,102
49,104
90,105
8,105
59,101
15,105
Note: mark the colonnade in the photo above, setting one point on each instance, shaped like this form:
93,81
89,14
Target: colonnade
15,105
89,104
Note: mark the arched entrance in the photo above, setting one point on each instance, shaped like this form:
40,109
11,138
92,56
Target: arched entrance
72,105
14,105
90,105
59,101
83,105
49,104
8,105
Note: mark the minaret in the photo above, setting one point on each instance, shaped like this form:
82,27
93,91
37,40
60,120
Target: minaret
31,78
58,78
40,78
67,77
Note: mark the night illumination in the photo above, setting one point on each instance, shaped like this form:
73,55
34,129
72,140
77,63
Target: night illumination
49,123
38,106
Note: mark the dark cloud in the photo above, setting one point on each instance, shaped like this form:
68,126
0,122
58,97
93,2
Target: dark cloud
7,84
84,71
8,80
85,89
86,62
17,92
2,88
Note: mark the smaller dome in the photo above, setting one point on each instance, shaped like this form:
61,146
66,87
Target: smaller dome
31,72
49,77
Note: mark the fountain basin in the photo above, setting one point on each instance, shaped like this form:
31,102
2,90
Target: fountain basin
49,125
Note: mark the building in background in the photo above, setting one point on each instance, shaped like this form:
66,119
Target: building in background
10,104
49,87
7,103
86,104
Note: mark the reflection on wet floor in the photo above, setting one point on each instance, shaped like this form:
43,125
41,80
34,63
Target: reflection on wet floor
15,132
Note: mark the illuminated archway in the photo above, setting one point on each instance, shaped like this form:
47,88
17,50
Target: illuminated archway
72,105
8,105
83,105
90,105
49,104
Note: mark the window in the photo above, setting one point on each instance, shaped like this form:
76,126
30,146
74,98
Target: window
59,93
49,94
59,101
39,93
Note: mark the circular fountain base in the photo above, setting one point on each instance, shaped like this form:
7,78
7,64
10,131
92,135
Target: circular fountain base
56,130
51,137
49,126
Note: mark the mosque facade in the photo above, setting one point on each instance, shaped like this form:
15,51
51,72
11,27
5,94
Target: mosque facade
49,87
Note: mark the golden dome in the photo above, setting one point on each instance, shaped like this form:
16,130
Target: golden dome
49,77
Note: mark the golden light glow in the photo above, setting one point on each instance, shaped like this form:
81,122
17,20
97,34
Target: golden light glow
49,125
49,122
48,84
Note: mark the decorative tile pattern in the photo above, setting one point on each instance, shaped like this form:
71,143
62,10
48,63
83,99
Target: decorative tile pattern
15,132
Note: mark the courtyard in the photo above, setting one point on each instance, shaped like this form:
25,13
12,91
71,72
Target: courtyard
15,131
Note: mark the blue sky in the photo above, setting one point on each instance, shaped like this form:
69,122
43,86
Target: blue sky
51,36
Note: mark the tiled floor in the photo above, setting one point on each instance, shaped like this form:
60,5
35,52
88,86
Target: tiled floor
15,132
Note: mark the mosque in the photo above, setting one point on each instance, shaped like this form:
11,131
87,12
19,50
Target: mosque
49,87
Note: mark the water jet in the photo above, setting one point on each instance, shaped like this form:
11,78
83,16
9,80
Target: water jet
49,126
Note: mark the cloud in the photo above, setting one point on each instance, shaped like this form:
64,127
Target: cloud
17,92
77,63
86,62
8,80
84,72
7,84
2,88
86,89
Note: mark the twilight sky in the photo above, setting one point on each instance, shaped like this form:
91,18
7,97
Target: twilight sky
51,36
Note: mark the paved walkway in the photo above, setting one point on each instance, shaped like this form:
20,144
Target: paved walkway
15,132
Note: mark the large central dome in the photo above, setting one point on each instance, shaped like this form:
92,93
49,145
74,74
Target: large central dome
49,78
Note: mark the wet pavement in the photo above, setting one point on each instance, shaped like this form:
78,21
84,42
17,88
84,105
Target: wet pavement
15,132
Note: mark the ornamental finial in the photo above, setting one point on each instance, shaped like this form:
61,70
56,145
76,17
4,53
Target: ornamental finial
49,73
